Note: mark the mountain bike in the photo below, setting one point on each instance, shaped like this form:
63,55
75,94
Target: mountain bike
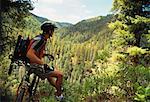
27,87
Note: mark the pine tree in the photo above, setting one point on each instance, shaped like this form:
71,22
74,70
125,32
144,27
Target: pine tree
131,46
135,14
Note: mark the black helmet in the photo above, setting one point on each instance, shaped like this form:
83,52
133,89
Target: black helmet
46,26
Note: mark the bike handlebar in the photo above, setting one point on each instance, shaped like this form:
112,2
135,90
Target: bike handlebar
15,63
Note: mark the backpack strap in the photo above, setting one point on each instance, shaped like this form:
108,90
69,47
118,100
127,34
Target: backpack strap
37,43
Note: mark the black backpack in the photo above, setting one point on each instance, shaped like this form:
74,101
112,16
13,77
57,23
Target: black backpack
21,48
20,51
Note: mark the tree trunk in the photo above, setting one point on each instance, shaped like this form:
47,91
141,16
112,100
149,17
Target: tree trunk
138,39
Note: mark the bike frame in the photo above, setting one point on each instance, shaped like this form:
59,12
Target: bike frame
28,85
25,84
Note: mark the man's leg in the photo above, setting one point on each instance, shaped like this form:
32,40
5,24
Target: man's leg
57,84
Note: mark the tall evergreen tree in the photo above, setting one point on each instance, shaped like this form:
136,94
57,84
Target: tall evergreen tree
135,14
131,46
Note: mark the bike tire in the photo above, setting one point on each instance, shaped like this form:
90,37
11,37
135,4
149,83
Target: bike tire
32,89
20,95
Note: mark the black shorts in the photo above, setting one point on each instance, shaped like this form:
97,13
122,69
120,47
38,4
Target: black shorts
39,70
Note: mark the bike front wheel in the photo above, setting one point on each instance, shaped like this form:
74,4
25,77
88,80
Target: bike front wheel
20,96
22,93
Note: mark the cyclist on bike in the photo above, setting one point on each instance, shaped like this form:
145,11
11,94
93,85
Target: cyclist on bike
36,53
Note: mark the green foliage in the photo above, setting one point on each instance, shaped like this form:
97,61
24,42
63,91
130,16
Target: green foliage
5,82
118,24
102,55
142,94
47,99
133,51
130,50
118,57
12,16
86,29
131,13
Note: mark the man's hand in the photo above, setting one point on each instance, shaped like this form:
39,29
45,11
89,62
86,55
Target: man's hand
50,57
47,68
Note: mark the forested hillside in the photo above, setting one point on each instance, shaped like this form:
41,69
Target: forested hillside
87,29
105,58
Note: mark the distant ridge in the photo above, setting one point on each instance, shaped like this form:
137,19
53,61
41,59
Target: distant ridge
90,29
58,24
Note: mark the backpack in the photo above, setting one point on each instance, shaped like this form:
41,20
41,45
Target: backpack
21,49
20,52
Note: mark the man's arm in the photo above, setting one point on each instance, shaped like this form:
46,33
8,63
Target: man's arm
33,58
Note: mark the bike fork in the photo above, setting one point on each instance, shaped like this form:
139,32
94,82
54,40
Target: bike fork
33,87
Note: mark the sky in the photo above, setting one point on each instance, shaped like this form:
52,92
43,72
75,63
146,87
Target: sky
71,11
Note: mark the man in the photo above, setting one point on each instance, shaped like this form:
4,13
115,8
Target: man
36,53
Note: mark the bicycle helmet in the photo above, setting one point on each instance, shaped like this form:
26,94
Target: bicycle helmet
46,26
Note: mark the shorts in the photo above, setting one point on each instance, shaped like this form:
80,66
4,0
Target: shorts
39,70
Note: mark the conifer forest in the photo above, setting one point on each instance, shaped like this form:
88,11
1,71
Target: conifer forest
103,59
